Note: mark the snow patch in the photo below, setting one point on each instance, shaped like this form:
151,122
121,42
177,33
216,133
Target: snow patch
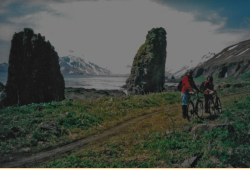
232,47
218,56
228,57
62,68
94,69
243,52
71,71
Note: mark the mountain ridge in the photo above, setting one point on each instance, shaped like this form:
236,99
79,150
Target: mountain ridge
72,65
191,65
75,65
232,61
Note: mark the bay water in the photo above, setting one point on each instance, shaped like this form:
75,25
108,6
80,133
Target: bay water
89,82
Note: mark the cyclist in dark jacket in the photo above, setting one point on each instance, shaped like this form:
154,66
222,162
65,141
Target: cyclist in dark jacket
187,86
209,90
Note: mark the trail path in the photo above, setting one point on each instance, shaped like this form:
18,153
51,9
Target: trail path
74,146
67,149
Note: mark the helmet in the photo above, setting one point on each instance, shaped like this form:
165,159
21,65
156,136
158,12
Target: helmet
211,78
190,71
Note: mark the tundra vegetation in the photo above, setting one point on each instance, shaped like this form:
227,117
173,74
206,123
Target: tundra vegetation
163,140
22,127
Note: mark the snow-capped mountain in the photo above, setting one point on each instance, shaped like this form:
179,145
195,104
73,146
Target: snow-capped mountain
4,67
191,65
76,65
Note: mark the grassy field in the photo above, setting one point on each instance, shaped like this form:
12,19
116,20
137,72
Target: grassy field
148,144
145,144
20,129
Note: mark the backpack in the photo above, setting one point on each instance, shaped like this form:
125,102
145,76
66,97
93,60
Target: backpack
202,86
179,87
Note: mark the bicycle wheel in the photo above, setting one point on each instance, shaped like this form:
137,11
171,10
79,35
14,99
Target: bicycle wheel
211,107
190,113
199,106
218,106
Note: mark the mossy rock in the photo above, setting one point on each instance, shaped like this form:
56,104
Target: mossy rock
149,64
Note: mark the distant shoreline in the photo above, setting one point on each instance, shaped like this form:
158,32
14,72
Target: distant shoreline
112,75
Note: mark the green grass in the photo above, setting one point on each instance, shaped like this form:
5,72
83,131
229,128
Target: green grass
74,119
148,147
246,76
200,79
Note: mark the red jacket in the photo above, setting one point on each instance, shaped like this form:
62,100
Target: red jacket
188,84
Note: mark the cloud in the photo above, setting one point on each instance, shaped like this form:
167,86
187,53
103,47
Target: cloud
109,33
233,12
7,31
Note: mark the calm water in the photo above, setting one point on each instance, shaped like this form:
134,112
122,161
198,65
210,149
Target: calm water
88,82
96,82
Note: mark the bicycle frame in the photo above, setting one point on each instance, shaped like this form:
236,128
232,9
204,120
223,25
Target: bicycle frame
213,100
195,106
197,97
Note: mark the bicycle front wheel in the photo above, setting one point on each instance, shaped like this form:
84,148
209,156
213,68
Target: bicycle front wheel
218,106
199,106
211,107
190,113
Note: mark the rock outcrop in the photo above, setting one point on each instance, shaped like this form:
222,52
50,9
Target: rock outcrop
1,87
90,94
34,72
148,70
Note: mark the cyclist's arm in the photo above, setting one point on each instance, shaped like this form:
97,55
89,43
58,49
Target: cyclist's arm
192,84
209,90
206,87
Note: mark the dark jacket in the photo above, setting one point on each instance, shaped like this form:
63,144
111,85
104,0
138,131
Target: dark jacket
208,85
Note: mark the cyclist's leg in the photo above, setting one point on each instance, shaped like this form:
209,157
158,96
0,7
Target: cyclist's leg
206,103
187,107
184,97
211,98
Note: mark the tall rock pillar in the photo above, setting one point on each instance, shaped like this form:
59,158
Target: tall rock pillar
148,70
34,72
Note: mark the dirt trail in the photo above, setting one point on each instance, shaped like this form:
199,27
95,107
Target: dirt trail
69,148
74,146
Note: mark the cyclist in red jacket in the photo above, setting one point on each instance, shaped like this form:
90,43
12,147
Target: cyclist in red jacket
187,86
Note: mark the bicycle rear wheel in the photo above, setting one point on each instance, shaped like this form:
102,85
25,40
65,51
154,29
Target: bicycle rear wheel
199,106
218,106
211,107
190,113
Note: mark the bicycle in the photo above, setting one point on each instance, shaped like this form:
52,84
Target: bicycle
197,109
214,104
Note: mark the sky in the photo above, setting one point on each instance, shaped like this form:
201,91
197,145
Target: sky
110,32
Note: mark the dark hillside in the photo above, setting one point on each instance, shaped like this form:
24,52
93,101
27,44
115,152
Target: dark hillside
232,61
